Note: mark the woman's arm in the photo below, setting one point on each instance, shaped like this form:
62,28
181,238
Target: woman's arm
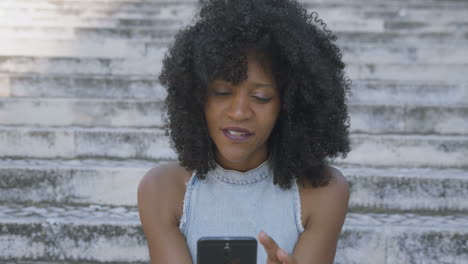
317,244
160,196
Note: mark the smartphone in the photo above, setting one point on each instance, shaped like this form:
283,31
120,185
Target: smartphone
227,250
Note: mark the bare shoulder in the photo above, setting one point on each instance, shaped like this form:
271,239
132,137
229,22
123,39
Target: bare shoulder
160,203
331,199
166,182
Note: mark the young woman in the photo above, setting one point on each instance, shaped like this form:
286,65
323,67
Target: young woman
256,104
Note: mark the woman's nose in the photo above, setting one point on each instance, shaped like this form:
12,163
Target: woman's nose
240,108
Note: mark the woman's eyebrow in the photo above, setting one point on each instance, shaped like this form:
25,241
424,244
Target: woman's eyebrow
263,84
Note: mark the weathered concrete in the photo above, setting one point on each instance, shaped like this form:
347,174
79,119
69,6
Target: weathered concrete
61,233
409,151
86,86
79,112
147,66
370,117
123,143
115,183
73,143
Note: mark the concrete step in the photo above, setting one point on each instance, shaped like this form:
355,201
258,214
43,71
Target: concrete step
110,182
68,233
407,189
445,92
390,13
356,17
72,48
408,119
150,144
409,92
403,238
75,142
173,10
402,38
431,54
67,33
394,3
391,117
114,234
152,5
183,10
84,181
373,29
152,66
80,112
21,20
64,65
17,19
347,36
353,53
85,86
408,72
408,151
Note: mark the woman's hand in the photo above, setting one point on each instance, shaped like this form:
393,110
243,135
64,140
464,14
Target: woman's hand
275,254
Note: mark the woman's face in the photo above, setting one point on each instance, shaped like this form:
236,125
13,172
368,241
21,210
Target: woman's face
253,106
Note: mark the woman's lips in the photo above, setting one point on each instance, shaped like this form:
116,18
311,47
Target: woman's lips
237,138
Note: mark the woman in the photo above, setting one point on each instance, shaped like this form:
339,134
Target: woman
256,103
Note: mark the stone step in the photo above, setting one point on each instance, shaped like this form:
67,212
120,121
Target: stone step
18,19
363,53
85,181
453,31
402,38
335,17
431,54
152,66
445,92
407,189
408,119
85,86
408,151
80,112
408,72
114,234
184,10
390,13
450,4
154,5
64,65
72,48
391,117
150,144
109,182
173,10
409,92
75,142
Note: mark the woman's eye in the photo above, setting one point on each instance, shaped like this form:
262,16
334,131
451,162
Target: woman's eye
222,93
263,100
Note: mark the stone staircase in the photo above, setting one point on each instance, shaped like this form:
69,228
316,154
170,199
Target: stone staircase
80,124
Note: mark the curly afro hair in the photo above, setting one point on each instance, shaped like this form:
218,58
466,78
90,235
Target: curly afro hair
313,122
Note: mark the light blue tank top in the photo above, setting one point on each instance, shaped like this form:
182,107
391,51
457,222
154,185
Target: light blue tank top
232,203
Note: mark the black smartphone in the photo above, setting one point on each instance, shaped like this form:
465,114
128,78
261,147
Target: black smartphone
227,250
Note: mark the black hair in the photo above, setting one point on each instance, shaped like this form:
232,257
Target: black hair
313,122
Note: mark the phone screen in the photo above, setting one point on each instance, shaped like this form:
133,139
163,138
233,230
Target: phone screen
227,250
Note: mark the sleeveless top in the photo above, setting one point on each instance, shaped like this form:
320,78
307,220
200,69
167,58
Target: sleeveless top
232,203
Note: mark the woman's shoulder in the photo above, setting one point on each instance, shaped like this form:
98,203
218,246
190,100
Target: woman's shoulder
165,183
168,173
317,201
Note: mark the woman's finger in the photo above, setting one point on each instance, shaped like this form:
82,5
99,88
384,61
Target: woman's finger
270,246
284,257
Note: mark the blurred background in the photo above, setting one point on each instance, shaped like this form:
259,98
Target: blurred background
80,125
